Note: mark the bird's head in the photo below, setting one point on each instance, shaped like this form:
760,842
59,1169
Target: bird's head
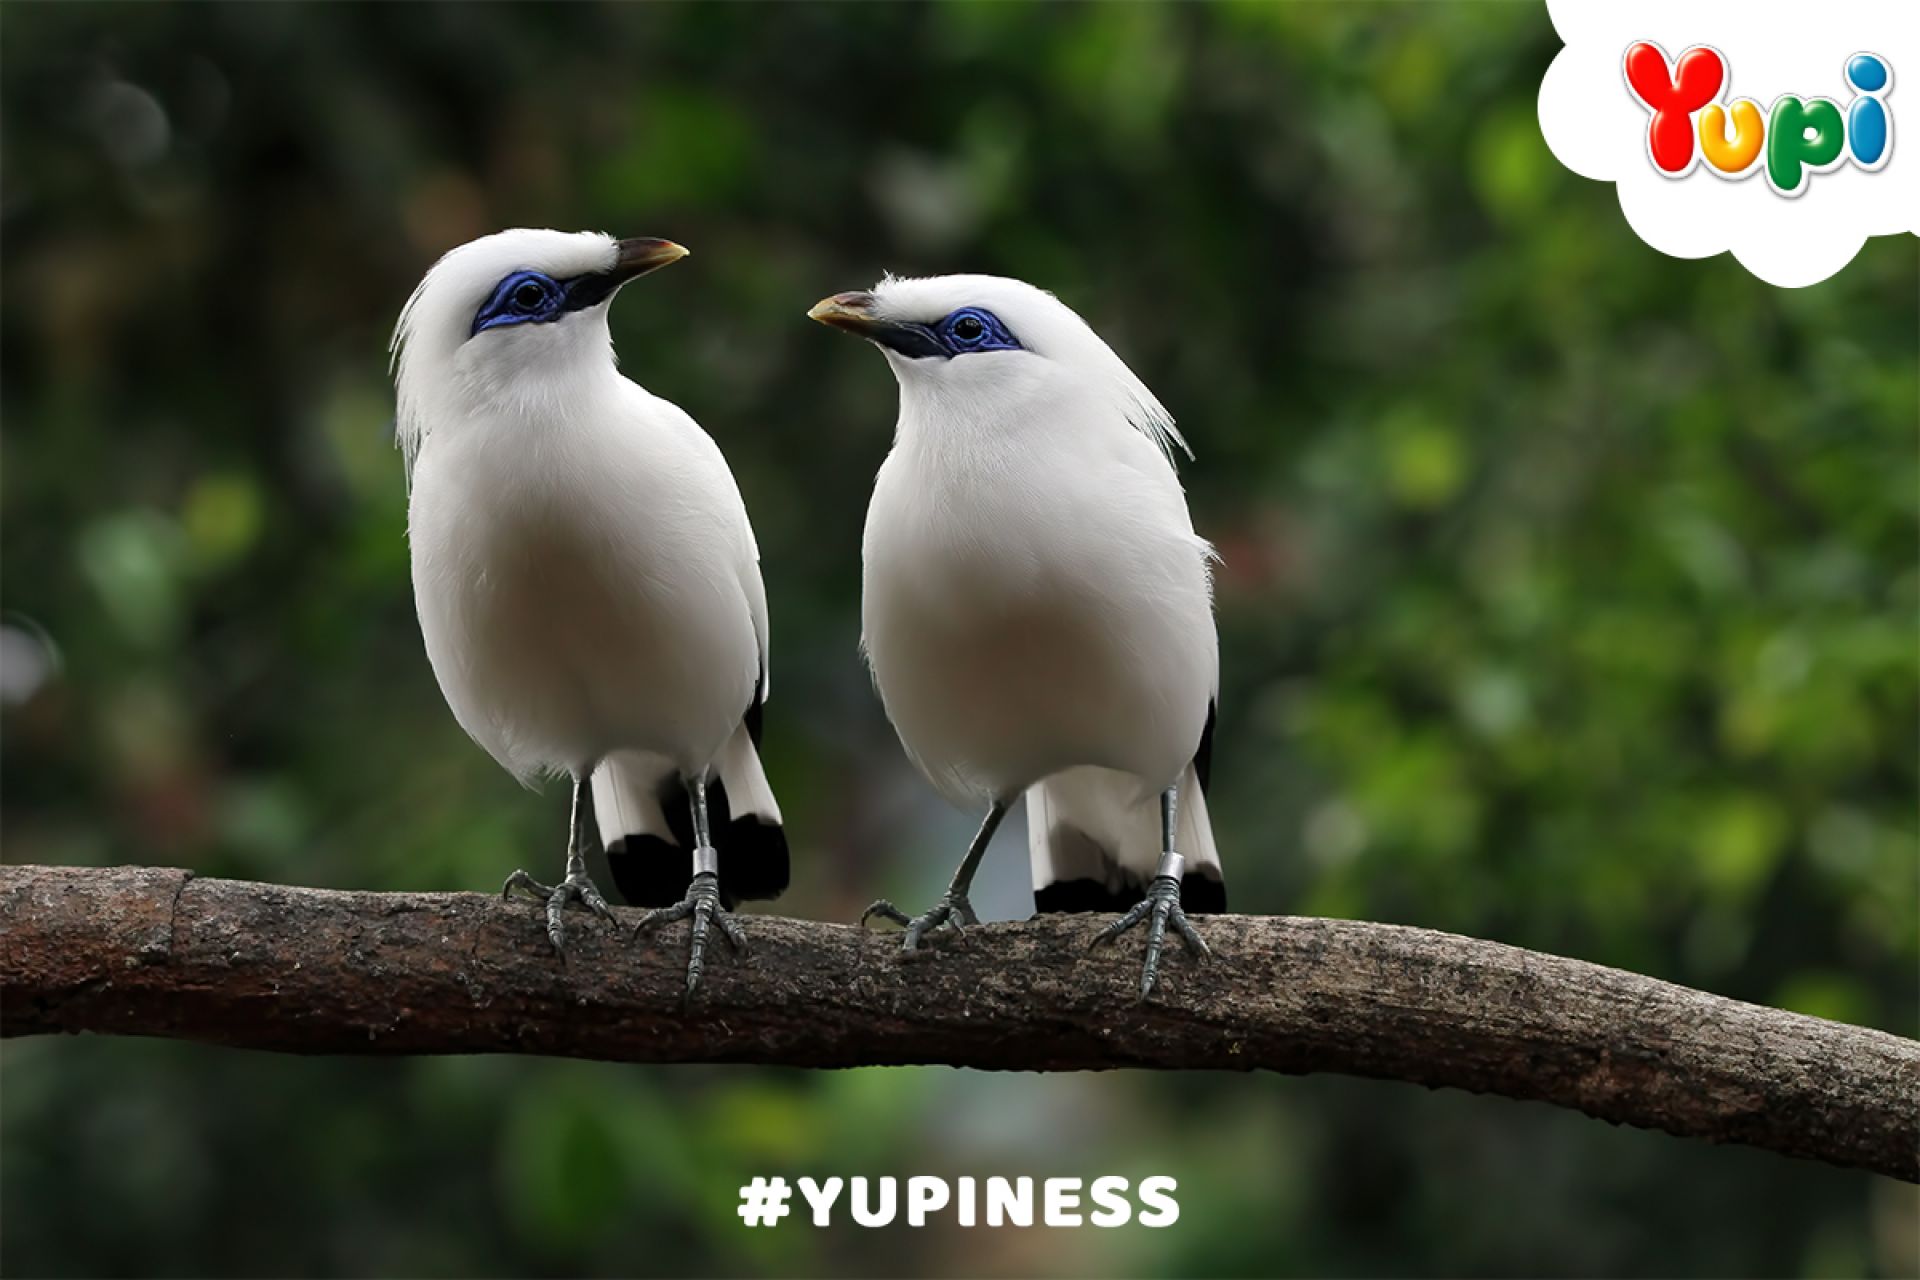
506,319
974,343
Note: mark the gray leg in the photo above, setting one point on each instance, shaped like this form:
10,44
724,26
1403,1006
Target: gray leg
1161,907
953,907
576,887
703,895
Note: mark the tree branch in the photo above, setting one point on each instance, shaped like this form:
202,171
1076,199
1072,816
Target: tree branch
153,952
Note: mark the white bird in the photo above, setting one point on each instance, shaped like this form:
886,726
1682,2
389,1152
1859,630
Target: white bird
586,578
1036,607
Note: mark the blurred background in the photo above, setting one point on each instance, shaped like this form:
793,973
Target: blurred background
1568,600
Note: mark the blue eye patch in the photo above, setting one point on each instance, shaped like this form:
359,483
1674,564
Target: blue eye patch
973,329
534,297
523,297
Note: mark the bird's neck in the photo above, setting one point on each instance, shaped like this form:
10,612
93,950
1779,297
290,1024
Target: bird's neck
957,427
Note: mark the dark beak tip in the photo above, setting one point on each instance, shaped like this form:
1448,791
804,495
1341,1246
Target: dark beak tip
638,255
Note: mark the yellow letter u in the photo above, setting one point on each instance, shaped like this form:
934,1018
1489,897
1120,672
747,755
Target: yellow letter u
1732,156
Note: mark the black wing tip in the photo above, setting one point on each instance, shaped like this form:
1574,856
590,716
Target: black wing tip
756,717
1203,758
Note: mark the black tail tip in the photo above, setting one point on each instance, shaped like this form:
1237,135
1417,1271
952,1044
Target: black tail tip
1083,894
1200,894
753,858
651,871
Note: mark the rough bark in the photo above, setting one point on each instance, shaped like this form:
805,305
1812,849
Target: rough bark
154,952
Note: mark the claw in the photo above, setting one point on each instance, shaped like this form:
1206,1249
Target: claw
1161,908
521,880
953,910
1134,915
663,915
886,911
1196,945
575,888
1156,938
703,904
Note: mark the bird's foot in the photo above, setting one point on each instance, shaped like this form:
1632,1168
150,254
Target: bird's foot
1161,909
575,888
703,904
952,910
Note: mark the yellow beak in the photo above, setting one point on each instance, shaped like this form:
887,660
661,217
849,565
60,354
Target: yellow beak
853,312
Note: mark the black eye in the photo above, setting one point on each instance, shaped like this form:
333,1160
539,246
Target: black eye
968,328
529,296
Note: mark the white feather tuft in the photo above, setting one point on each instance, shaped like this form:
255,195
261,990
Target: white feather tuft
1047,327
426,354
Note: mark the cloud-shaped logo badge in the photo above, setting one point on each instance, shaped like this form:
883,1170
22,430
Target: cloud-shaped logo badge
1680,104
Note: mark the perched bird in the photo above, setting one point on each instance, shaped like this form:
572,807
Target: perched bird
586,578
1036,606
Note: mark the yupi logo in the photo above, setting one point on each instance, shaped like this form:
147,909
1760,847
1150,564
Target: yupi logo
1797,138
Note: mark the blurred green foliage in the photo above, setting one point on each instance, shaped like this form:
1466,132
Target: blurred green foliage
1568,599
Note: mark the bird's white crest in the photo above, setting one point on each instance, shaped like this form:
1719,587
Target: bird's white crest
439,374
1044,326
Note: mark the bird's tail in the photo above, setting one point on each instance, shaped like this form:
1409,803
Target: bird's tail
646,825
1095,842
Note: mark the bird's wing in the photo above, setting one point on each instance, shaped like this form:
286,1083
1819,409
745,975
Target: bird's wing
747,565
755,587
651,826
